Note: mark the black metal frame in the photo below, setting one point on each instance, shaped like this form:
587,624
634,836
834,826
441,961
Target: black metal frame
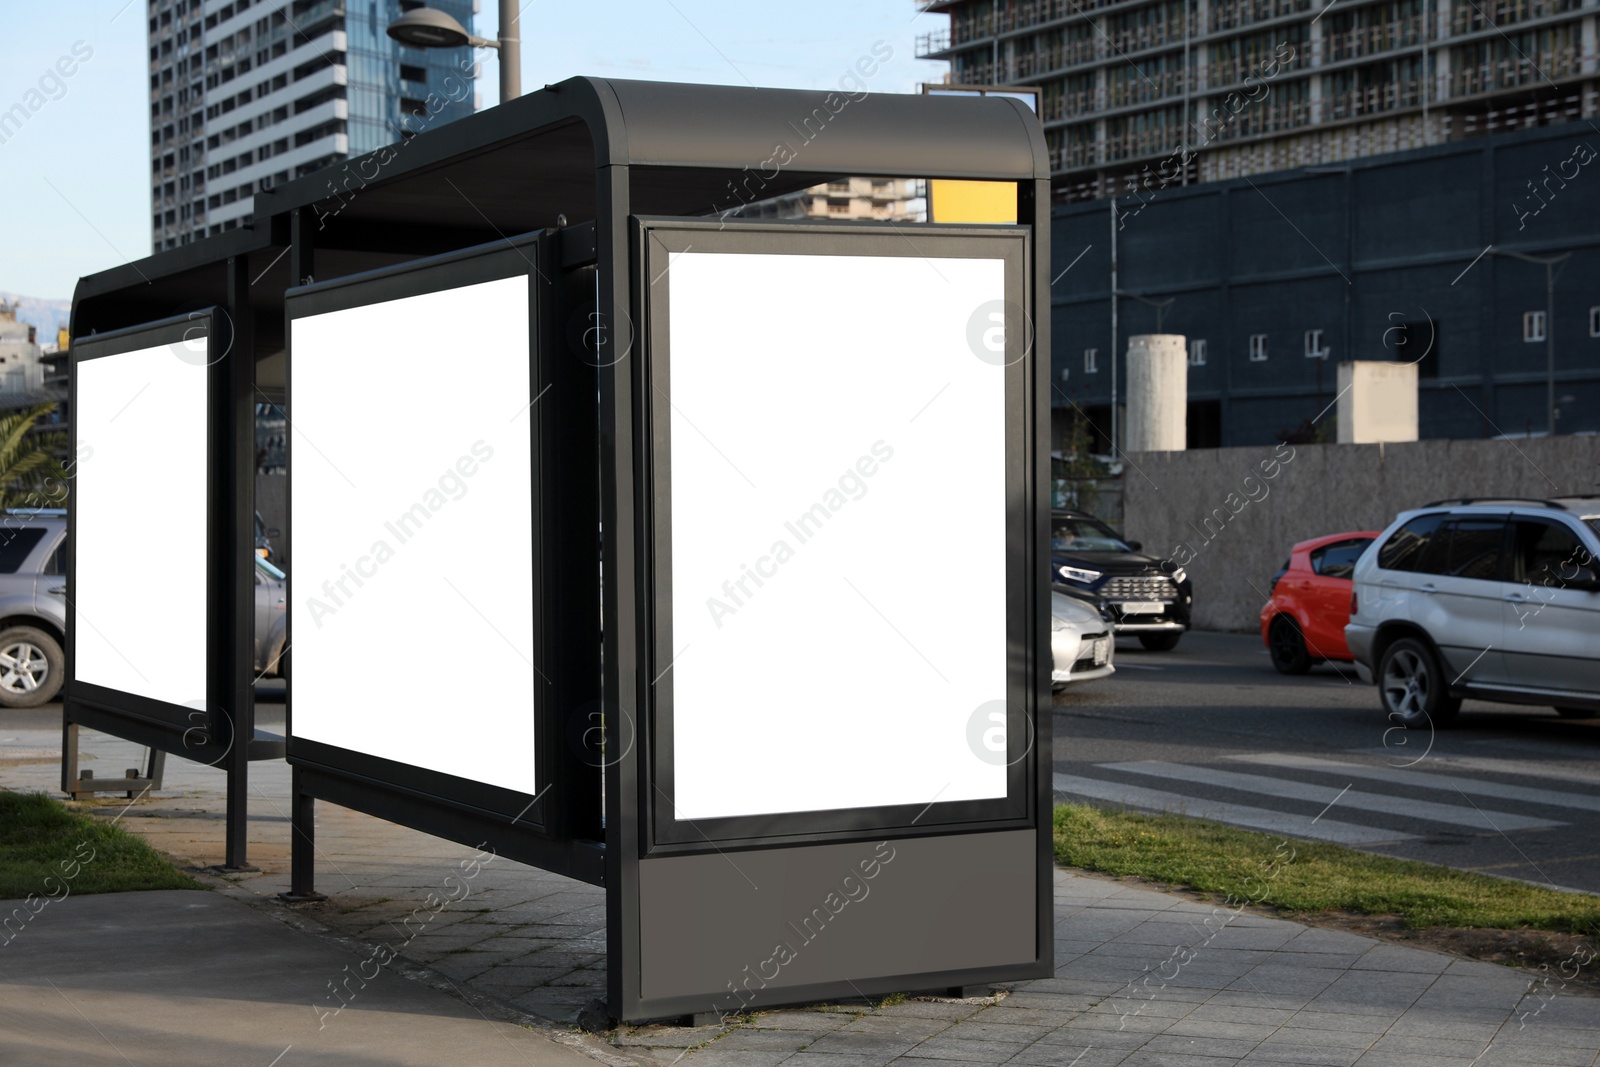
557,827
226,736
657,239
156,713
640,830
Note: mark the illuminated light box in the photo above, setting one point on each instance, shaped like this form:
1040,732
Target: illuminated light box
831,486
138,603
411,503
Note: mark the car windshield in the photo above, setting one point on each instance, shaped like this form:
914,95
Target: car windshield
1083,535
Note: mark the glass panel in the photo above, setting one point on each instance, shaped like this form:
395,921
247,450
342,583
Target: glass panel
414,561
826,553
144,414
15,545
1547,553
1404,547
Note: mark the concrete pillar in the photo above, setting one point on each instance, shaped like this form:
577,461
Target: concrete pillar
1377,402
1158,393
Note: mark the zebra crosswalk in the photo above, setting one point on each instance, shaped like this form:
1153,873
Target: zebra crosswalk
1076,787
1338,800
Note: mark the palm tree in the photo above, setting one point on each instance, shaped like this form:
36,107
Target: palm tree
30,473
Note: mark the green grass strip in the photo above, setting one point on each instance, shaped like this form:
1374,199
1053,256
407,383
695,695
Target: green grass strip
1307,877
51,852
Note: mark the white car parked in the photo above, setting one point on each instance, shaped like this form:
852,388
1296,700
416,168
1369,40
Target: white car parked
1080,641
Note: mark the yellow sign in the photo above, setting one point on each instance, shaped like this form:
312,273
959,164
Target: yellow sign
950,200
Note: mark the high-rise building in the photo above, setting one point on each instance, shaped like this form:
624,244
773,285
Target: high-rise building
1162,92
21,367
896,199
246,93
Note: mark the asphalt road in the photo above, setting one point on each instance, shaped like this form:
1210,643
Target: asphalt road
1210,729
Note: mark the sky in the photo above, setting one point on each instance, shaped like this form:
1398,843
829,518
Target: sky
74,178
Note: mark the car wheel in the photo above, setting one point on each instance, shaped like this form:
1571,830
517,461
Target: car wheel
1288,646
32,667
1413,687
1160,642
1578,713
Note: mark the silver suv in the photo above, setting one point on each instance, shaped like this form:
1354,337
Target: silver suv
33,608
1492,598
33,605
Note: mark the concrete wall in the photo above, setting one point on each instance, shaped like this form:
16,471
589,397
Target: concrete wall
1317,489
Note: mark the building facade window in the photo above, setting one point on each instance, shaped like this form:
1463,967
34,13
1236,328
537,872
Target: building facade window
1258,348
1197,352
1533,326
1091,361
1315,349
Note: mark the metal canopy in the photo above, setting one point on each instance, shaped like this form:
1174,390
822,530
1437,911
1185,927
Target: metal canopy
690,150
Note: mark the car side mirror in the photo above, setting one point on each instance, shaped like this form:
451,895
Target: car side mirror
1136,545
1584,578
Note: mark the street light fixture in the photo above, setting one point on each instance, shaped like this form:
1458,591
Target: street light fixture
1161,306
1550,264
424,27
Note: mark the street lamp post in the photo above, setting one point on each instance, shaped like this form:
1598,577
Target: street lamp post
1551,265
424,27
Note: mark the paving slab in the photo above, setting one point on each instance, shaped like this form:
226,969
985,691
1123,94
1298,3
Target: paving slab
182,977
524,946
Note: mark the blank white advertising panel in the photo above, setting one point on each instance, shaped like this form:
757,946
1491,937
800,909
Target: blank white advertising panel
411,503
838,504
139,594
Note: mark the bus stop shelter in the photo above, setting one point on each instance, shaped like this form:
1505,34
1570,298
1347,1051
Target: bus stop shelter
691,554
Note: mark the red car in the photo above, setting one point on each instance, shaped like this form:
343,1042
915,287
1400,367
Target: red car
1304,618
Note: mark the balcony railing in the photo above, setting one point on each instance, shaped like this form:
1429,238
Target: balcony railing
1511,73
1267,117
1135,143
1158,85
1050,60
1153,34
929,44
1069,105
1231,13
1368,40
1489,14
1234,71
1373,99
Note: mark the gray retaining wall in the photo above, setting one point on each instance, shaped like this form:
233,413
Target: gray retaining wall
1230,515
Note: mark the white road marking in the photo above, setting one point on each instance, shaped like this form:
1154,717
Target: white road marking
1426,780
1451,814
1277,822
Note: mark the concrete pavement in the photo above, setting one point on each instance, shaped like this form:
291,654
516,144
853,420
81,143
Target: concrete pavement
1143,977
175,978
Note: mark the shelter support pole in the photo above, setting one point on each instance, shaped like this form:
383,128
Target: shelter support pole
621,376
302,805
303,844
232,690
